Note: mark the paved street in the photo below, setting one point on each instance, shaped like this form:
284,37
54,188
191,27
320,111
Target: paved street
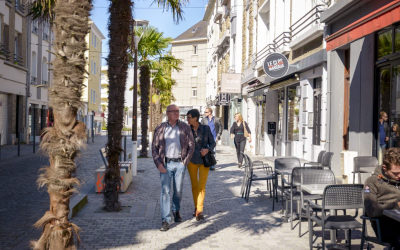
230,223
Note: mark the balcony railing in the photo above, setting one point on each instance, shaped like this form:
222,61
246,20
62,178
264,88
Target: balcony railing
18,60
313,16
33,80
284,39
4,51
19,6
45,82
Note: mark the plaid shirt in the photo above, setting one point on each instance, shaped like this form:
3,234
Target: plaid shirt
186,140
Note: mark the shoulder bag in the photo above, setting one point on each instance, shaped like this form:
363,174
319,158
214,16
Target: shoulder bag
209,159
246,133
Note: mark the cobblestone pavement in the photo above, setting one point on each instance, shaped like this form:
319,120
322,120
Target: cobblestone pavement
22,203
230,222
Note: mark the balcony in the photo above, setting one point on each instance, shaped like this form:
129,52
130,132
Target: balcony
18,60
19,7
224,40
4,51
307,27
33,80
282,41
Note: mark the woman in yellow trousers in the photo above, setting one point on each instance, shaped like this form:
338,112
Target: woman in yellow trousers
204,143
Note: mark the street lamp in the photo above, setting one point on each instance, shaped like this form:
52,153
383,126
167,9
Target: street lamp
135,45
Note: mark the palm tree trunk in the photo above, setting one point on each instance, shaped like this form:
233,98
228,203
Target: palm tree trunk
144,105
63,141
119,29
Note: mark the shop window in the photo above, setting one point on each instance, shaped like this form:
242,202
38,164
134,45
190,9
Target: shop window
281,99
384,43
293,115
317,111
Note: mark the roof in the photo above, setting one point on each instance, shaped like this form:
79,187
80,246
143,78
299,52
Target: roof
196,32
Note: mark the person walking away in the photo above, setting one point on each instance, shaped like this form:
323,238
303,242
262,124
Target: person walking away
215,126
382,191
240,131
384,133
204,142
172,148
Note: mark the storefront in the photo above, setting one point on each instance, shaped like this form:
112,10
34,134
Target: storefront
295,104
363,45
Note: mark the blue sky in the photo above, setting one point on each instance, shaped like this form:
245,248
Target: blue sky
144,9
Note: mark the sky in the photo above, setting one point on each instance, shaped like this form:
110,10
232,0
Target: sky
144,9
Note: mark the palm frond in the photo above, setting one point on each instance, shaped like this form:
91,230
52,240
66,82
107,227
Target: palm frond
42,9
175,5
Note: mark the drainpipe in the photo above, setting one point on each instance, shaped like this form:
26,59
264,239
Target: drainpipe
28,77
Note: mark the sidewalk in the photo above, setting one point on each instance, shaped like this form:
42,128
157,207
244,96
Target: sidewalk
230,222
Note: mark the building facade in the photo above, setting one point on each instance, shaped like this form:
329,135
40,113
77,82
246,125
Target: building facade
191,48
363,51
13,71
91,94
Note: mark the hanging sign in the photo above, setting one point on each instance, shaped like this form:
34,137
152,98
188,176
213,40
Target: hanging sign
276,65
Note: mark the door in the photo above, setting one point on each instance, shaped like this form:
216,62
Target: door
260,128
389,102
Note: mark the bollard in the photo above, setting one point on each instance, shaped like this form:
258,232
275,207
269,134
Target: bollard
124,147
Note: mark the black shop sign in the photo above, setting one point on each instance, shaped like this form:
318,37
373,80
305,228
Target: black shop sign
276,65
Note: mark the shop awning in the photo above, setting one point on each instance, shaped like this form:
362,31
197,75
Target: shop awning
376,20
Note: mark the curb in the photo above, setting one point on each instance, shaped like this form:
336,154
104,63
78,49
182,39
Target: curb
79,200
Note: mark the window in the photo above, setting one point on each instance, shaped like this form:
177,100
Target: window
94,97
35,26
94,40
18,48
293,108
384,43
397,40
194,49
317,111
34,64
194,71
94,67
44,71
194,92
46,28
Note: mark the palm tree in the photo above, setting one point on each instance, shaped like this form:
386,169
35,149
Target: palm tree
119,30
152,55
63,141
161,95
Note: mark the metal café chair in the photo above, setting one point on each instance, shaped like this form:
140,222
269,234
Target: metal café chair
313,175
337,197
327,159
318,162
283,167
364,164
250,175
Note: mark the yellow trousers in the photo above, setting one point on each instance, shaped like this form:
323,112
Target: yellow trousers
198,177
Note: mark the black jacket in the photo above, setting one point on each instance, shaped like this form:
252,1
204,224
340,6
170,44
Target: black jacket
203,139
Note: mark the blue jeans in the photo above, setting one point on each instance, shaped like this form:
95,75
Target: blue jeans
175,173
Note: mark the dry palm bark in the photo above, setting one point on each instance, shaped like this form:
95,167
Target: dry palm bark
144,105
119,30
63,141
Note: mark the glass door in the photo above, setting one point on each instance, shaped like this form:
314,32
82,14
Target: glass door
389,105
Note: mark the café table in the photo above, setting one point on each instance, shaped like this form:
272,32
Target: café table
393,214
